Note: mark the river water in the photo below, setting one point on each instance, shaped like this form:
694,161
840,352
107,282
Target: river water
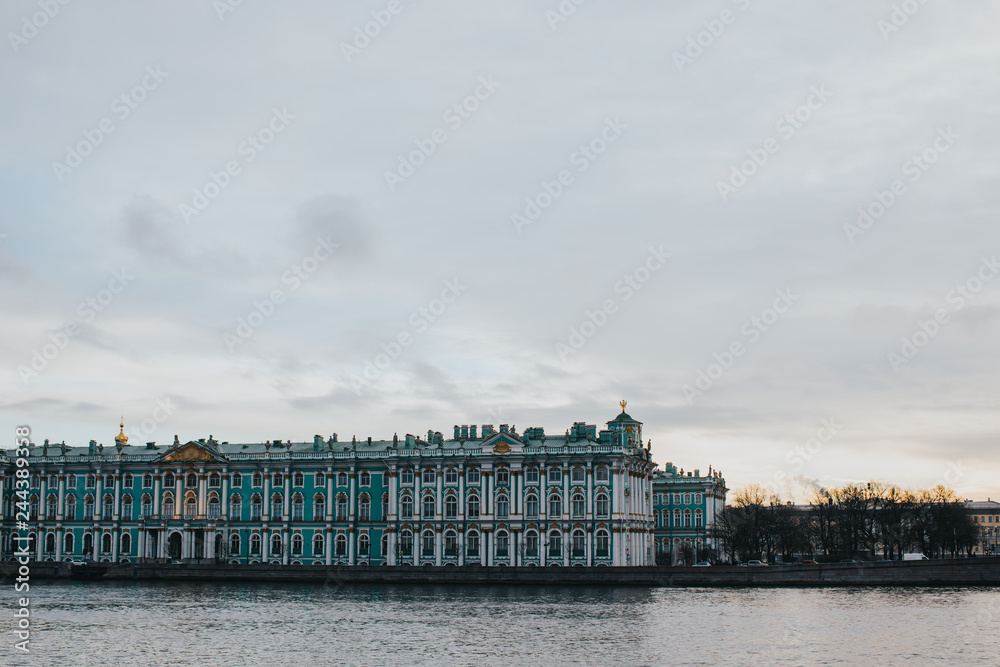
119,623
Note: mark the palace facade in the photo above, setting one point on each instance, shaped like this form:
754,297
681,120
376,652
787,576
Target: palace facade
484,496
685,511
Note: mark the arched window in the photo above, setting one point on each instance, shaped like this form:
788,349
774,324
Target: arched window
276,505
472,476
92,481
168,505
531,506
687,518
214,480
406,508
697,518
88,508
298,479
502,476
109,481
364,508
531,475
214,507
191,480
385,506
341,507
429,477
687,498
578,543
531,543
384,545
428,507
555,505
256,507
33,507
320,481
502,506
406,476
472,544
298,507
603,544
603,506
555,545
319,507
451,476
190,508
365,478
579,505
127,508
109,506
677,518
128,481
502,542
472,511
258,480
50,543
237,480
126,544
236,507
147,481
277,479
342,479
555,475
579,474
275,545
106,543
364,544
318,544
297,544
451,506
71,481
406,543
450,543
341,544
234,544
601,474
68,544
255,543
51,505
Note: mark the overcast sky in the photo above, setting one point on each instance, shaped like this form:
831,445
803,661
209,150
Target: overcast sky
216,217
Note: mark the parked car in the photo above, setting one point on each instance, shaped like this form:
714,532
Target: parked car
915,556
703,563
755,563
808,561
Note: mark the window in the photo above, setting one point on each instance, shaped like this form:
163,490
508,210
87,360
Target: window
531,543
35,482
50,543
342,479
472,545
428,507
191,479
147,505
677,518
235,508
579,505
276,506
319,507
555,506
127,508
91,482
698,499
427,544
697,519
364,509
531,475
428,476
473,507
277,479
385,544
214,480
451,476
234,544
677,499
342,508
687,498
603,506
502,507
502,476
472,476
364,544
298,508
237,480
126,544
33,507
385,506
502,544
555,545
106,543
687,518
109,507
578,544
451,507
318,545
555,475
276,544
258,480
341,544
603,544
320,479
298,479
365,478
297,544
601,474
68,543
109,481
406,543
406,508
71,481
51,505
128,481
579,474
531,506
406,476
254,543
450,543
190,508
88,507
256,508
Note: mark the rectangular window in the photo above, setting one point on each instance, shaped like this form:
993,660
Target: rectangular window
555,475
531,475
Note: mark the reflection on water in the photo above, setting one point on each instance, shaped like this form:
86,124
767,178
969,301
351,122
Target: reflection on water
83,623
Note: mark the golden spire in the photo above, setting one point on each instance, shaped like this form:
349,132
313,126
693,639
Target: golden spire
623,403
121,437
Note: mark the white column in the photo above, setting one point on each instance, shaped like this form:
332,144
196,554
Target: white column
178,495
438,547
62,497
224,496
286,546
156,495
287,500
328,545
267,496
116,512
351,542
329,501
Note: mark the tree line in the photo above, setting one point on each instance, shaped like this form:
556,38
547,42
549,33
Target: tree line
871,521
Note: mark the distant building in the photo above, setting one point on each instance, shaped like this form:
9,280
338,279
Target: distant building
686,508
489,497
986,515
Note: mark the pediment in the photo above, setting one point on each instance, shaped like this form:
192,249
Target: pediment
191,451
502,443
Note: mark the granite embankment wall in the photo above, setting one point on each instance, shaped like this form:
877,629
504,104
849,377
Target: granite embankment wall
960,572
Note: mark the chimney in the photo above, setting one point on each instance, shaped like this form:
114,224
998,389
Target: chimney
472,432
503,428
465,432
92,448
697,473
317,443
457,432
